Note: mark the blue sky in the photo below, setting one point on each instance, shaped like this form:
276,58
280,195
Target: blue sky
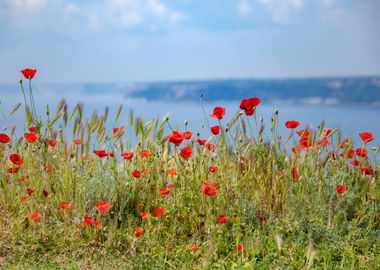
156,40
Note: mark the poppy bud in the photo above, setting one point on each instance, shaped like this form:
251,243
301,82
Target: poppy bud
186,122
20,81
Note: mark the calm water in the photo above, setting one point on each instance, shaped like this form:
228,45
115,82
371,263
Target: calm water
350,120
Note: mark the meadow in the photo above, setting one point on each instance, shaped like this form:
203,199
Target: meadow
76,195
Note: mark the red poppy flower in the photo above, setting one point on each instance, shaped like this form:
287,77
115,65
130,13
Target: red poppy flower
49,169
103,206
144,215
361,152
65,205
176,138
100,153
52,143
249,105
165,191
138,231
201,142
213,168
35,217
186,152
366,136
303,132
77,142
215,130
136,173
12,170
32,129
158,212
350,153
294,173
194,246
222,219
118,132
29,73
239,248
4,138
187,135
147,171
341,188
45,193
127,155
210,188
292,124
172,171
97,223
171,185
29,191
31,137
24,198
218,112
88,220
367,171
355,162
145,153
211,146
16,159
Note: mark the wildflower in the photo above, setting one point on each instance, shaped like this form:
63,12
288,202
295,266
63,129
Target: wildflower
48,169
145,153
218,112
249,105
144,215
4,138
341,189
158,212
138,231
32,129
176,138
103,206
211,146
186,152
88,220
194,246
355,162
201,142
35,216
222,219
29,191
127,155
23,198
172,171
292,124
187,135
361,152
239,248
12,170
16,159
45,193
31,137
29,73
366,136
213,168
52,143
65,205
100,153
294,173
147,171
367,171
165,191
118,132
136,173
97,223
209,190
77,142
215,130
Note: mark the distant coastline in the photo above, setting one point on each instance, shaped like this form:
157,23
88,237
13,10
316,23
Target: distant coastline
329,91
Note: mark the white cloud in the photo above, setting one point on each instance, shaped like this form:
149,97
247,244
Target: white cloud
281,10
244,7
73,18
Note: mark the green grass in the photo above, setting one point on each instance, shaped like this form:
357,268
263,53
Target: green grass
283,223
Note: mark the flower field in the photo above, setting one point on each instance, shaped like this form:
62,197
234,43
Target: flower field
75,194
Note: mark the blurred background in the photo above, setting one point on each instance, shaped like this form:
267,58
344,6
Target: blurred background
313,60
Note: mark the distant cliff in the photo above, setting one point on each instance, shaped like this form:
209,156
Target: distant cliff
365,90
